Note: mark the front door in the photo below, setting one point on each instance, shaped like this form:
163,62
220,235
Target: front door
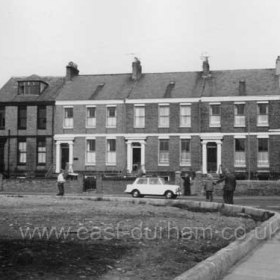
64,155
136,158
211,157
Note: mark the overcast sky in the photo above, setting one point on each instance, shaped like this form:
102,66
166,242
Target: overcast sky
103,36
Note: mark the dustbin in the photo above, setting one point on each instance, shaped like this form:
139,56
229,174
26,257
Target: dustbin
89,183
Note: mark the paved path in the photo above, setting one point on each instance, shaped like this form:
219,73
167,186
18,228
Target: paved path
261,264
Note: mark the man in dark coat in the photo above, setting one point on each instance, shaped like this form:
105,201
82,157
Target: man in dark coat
229,187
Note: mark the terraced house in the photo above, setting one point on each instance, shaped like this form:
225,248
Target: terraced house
164,122
27,106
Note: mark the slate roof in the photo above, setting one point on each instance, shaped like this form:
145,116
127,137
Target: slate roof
9,92
157,85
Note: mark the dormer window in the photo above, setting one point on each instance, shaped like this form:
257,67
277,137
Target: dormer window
31,87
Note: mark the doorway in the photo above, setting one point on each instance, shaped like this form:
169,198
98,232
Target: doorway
211,157
136,156
2,155
64,155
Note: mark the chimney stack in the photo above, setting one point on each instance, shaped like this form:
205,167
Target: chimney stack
136,69
71,71
205,68
242,87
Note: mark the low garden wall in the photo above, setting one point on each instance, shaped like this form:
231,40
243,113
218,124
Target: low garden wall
118,185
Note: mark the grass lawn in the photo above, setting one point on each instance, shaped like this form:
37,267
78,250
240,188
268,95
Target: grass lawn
59,238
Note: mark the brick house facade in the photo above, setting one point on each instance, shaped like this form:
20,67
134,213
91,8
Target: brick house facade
164,122
27,108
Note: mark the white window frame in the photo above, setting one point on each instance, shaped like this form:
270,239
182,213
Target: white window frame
66,120
90,121
111,122
91,153
239,120
243,162
163,116
111,156
187,163
165,163
142,117
214,120
262,119
263,157
185,119
22,150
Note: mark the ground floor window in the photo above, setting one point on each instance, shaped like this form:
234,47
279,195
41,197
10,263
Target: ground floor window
163,151
111,152
185,156
239,156
41,151
22,151
263,160
90,155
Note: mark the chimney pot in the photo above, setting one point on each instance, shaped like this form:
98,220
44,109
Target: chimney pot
136,69
205,67
71,70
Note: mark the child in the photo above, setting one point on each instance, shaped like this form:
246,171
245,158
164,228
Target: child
208,184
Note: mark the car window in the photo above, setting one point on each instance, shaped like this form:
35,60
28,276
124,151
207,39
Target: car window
142,181
162,181
155,181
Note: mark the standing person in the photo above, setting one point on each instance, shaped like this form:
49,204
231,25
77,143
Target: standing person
60,182
208,185
187,184
230,185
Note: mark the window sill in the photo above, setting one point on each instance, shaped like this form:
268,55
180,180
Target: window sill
214,125
239,125
111,164
240,165
90,164
263,125
68,127
163,164
185,164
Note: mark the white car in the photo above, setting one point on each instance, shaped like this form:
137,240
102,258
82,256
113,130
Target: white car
152,186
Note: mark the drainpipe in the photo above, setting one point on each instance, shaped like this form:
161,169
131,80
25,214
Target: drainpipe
9,135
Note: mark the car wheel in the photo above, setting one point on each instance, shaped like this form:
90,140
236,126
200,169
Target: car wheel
135,193
169,195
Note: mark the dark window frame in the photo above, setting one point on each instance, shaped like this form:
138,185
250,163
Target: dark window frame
22,120
42,119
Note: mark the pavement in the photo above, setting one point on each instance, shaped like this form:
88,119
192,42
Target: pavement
263,263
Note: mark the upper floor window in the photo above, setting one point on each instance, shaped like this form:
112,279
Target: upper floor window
262,114
163,158
41,117
31,87
22,151
185,155
2,117
68,117
41,151
239,115
185,115
111,152
263,160
91,117
139,116
90,155
215,115
163,116
111,116
239,157
22,117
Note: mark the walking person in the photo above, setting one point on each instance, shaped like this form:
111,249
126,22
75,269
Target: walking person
230,185
60,183
208,185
